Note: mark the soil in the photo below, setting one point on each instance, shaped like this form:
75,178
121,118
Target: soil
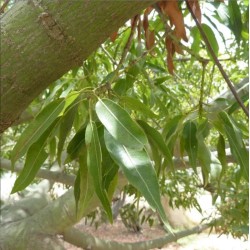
118,232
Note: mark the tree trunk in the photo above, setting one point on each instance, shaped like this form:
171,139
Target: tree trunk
42,40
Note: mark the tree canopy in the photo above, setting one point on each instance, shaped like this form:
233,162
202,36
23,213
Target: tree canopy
153,92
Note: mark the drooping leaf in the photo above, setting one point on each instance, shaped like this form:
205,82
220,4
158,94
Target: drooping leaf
172,9
172,130
137,168
77,189
36,128
109,167
236,143
135,104
65,127
159,141
76,144
94,162
235,20
35,157
204,157
212,39
120,125
83,188
190,142
221,149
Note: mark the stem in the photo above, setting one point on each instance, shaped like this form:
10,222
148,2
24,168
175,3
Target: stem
216,61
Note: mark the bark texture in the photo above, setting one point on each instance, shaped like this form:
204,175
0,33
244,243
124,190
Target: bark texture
43,39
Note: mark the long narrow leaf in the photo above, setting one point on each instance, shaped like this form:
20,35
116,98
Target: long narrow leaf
137,168
83,188
120,125
76,144
36,128
94,162
236,143
135,104
190,142
154,135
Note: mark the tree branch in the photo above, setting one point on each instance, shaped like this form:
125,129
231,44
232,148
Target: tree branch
217,62
87,241
42,173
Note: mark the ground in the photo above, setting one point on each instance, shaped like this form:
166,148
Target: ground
203,241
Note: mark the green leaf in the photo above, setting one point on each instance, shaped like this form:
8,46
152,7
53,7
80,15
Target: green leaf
135,104
221,149
77,189
94,162
109,167
36,128
137,168
83,188
235,21
76,144
236,143
65,127
154,135
204,156
212,39
190,142
120,125
36,156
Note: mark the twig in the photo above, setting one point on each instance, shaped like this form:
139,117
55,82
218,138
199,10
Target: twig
6,2
128,44
216,61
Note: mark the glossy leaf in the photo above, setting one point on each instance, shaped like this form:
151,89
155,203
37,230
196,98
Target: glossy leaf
76,144
212,39
190,142
221,149
109,167
83,188
94,162
137,168
135,104
120,125
154,135
235,21
35,157
65,127
204,157
36,128
236,143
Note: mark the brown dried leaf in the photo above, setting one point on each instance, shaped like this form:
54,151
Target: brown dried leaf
145,23
148,10
171,50
194,4
171,9
150,39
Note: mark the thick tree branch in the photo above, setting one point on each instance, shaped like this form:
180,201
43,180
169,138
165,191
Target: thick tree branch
87,241
217,62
